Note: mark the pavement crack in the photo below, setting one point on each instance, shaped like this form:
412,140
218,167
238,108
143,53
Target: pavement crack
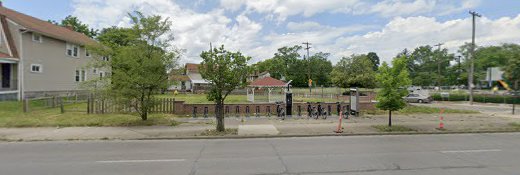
285,170
194,166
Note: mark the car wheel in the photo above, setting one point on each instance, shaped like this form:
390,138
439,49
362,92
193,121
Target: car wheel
420,101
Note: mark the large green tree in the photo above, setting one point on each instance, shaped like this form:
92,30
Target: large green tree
139,68
320,67
428,66
354,71
375,60
225,71
393,82
77,25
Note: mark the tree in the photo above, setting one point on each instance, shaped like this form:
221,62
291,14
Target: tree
375,60
139,68
279,65
320,68
427,66
393,82
354,71
512,70
77,26
115,37
225,72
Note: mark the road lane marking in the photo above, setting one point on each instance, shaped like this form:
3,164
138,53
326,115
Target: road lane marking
140,161
472,151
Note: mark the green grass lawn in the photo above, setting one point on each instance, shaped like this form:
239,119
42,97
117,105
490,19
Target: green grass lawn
394,128
410,109
11,115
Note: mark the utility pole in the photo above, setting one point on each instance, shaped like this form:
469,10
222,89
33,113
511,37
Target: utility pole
472,58
459,70
439,64
308,66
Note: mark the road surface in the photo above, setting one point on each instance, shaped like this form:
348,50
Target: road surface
470,154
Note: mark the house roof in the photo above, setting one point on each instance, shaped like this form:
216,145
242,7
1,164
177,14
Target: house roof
191,67
5,55
197,78
46,28
267,82
180,78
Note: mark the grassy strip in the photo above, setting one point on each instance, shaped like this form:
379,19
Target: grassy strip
213,132
410,109
395,128
11,115
515,125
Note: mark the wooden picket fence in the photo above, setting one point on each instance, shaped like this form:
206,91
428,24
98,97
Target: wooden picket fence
107,106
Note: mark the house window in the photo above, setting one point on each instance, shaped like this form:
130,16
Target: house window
77,76
36,68
101,74
72,50
87,53
37,37
94,71
83,75
105,58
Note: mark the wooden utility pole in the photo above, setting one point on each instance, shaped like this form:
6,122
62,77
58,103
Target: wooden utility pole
308,65
472,58
439,57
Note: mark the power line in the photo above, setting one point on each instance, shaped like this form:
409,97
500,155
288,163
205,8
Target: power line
472,51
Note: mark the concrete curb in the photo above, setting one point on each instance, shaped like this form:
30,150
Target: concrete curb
269,136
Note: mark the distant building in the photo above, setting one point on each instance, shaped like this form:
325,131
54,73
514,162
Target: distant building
257,75
38,58
189,80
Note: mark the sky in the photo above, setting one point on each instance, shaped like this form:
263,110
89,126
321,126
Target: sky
258,28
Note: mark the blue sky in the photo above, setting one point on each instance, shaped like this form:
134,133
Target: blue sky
340,27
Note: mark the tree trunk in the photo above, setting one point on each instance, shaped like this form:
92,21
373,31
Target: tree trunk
389,118
219,113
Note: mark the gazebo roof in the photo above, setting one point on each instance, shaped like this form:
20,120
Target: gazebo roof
267,82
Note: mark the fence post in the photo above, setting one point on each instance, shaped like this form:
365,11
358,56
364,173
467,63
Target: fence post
102,106
25,103
62,109
53,101
88,104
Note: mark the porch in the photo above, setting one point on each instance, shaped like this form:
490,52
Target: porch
8,80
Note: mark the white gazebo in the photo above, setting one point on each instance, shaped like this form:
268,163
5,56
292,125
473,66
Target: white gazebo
267,83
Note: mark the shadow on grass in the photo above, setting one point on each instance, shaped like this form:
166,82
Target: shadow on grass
395,128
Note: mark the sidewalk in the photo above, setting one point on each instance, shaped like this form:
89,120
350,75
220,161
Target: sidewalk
192,128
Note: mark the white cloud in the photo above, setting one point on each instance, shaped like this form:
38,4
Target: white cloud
399,8
194,31
401,33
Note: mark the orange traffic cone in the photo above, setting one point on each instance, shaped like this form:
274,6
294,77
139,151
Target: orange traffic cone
339,129
441,124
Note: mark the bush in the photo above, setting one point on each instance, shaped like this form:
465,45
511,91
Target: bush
478,98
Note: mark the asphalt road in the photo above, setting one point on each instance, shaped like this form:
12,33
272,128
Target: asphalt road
472,154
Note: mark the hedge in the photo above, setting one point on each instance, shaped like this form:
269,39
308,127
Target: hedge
478,98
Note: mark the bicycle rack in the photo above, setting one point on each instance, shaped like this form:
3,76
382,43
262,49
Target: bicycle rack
194,112
268,110
247,111
237,111
226,111
205,112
